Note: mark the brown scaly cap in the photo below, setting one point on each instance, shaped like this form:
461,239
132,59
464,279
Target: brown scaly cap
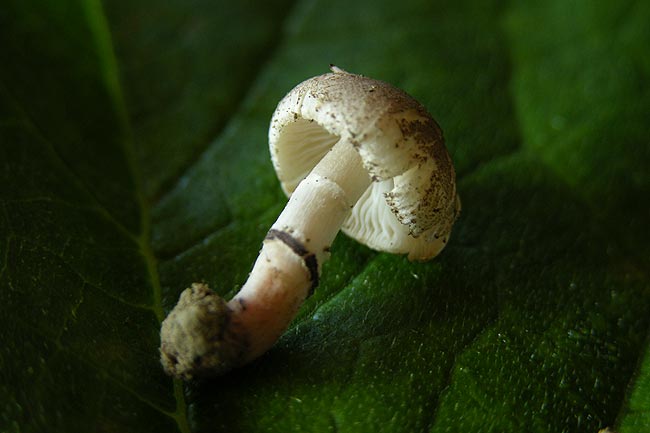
412,203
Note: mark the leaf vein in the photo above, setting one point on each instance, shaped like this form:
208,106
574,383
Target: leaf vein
61,348
97,16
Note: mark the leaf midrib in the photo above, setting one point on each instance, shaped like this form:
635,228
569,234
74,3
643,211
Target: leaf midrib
98,24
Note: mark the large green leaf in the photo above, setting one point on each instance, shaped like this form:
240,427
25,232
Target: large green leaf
133,162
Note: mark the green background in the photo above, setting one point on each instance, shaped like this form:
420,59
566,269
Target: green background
133,162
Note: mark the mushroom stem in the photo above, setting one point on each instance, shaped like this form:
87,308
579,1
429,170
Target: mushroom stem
289,264
285,272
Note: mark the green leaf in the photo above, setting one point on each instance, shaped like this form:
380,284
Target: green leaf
133,162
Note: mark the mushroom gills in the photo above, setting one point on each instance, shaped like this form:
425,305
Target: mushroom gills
306,143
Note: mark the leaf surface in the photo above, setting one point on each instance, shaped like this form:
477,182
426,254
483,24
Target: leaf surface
133,162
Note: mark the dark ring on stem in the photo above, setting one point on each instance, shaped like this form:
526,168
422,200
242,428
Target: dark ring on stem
297,247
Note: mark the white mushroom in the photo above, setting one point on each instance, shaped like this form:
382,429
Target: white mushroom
353,153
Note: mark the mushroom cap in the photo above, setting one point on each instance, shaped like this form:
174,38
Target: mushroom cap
411,204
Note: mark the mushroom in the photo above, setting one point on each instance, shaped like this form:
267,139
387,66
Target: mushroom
354,154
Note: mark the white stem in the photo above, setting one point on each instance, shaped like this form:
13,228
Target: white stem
289,264
203,335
